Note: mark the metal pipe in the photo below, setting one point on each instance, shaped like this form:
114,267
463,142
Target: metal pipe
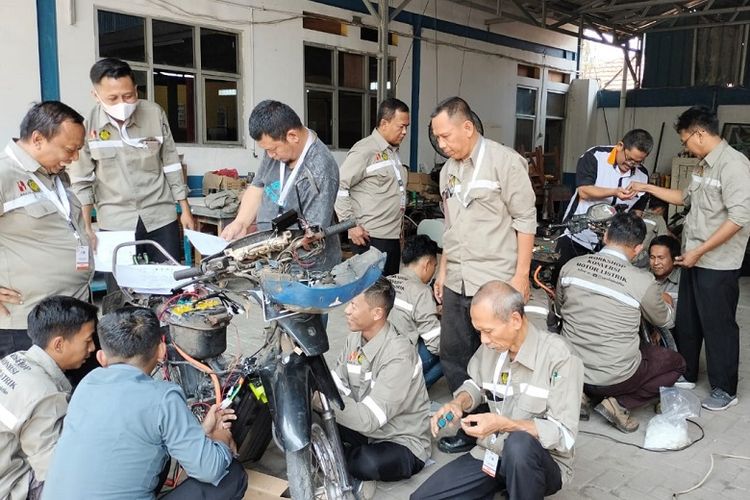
383,51
623,96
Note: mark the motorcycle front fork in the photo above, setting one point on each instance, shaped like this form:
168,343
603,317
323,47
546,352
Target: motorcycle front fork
329,424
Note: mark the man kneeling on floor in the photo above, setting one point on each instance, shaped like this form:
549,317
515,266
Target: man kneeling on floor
601,298
532,382
34,392
122,426
415,313
384,425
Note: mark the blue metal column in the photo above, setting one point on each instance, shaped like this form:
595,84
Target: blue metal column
416,71
46,22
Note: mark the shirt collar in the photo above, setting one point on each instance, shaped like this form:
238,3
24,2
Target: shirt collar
381,143
474,156
27,162
614,253
373,347
527,353
409,274
713,156
674,276
40,357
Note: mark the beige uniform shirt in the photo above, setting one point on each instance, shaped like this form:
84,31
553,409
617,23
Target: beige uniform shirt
719,191
601,298
543,384
414,312
34,396
383,390
372,187
480,238
130,174
37,244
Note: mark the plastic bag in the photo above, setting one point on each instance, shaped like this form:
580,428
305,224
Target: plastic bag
669,431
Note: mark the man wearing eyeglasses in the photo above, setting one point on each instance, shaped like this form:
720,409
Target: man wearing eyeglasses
603,175
716,232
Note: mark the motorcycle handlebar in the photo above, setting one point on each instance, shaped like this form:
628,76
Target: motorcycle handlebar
184,274
340,227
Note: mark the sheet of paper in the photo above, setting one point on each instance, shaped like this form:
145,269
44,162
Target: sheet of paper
106,241
157,279
207,244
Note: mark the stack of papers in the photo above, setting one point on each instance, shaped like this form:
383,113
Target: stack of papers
155,279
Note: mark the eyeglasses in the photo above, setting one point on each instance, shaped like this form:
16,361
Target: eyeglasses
684,143
630,161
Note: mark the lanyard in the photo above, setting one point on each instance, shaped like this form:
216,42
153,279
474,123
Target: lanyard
59,199
496,377
293,177
400,180
464,197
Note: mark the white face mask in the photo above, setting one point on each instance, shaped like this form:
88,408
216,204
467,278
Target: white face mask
120,111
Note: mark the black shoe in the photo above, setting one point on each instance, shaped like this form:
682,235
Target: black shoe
457,444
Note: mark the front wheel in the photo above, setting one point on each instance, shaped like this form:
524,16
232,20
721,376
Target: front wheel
315,472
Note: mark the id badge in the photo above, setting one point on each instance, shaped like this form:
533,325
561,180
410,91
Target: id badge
489,465
82,258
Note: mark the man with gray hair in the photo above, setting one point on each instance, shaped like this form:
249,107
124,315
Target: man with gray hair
532,382
124,426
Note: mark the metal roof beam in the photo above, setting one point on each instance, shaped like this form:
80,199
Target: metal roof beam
637,5
698,13
398,10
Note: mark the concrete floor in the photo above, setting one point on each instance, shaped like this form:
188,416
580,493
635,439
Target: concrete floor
604,469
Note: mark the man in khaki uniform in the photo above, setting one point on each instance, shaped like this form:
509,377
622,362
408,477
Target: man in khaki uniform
601,298
34,392
43,245
385,421
714,241
414,312
531,381
129,168
372,186
490,222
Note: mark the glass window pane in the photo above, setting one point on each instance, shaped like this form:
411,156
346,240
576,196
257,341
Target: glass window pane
553,140
221,110
372,73
141,80
350,119
318,65
351,70
320,114
526,101
373,112
175,93
219,50
555,104
173,44
524,134
121,36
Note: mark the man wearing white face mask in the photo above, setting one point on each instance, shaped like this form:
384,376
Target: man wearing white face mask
129,168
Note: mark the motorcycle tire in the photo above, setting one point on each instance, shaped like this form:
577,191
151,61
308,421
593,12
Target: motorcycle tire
252,429
314,472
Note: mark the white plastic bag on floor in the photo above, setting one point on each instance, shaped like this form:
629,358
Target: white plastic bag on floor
669,431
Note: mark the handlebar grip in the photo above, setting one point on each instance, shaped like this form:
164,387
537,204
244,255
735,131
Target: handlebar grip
184,274
340,227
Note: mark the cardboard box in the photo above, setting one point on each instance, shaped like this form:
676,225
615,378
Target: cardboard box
213,183
263,487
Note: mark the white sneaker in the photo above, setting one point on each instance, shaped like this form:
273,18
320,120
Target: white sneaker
682,383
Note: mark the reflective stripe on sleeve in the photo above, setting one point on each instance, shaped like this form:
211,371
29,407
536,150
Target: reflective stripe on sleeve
342,193
376,410
435,332
172,167
339,384
402,304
